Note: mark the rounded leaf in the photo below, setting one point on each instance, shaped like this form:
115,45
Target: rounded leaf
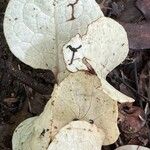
37,30
102,48
80,96
78,135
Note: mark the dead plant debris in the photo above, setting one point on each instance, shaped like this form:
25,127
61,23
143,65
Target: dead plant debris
20,84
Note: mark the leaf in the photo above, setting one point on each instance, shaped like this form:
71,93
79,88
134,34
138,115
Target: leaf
130,12
138,35
102,48
37,30
79,96
144,6
78,135
132,147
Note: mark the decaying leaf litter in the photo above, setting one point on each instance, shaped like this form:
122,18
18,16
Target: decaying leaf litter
81,103
122,78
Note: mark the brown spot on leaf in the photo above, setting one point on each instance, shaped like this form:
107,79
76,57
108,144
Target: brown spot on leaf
43,132
91,121
52,103
72,6
90,130
68,128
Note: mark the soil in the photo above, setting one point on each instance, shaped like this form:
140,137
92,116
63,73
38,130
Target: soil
24,91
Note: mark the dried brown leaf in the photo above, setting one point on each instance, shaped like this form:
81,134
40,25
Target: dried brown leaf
138,35
144,6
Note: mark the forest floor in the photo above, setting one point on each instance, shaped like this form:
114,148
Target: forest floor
24,91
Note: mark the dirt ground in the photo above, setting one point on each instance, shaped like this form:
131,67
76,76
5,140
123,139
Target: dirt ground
24,91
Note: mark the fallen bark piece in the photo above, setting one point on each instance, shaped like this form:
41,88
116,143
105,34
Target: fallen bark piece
80,96
144,6
78,135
